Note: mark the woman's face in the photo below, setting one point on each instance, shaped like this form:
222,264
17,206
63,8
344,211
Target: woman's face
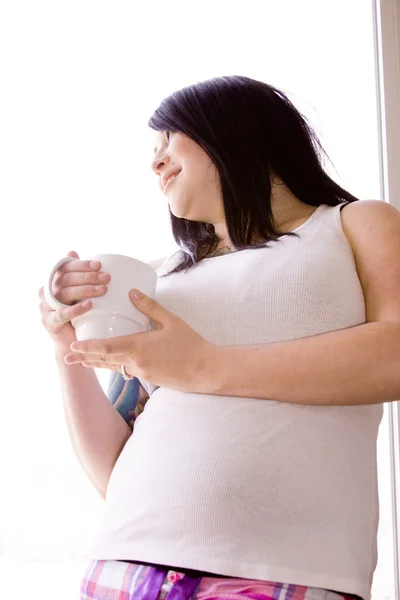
195,192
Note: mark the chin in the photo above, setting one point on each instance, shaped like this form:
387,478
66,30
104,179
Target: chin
177,213
181,209
180,213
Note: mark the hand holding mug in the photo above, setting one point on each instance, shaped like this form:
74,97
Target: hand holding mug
173,355
89,299
72,285
77,280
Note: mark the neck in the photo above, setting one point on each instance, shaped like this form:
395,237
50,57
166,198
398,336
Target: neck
288,213
224,250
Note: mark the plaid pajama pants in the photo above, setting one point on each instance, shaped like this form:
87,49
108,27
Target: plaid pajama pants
119,580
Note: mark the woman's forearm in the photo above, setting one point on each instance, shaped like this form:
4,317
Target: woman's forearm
357,365
97,431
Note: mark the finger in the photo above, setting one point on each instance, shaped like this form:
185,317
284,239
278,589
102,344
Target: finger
54,320
114,346
99,365
73,254
150,307
73,358
79,273
72,278
72,294
80,266
67,313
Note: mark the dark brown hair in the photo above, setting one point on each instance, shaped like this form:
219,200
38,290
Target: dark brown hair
250,130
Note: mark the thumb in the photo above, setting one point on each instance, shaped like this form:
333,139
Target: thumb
148,306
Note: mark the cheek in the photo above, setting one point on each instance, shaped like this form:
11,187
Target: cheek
206,171
212,180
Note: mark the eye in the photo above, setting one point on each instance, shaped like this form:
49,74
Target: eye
168,134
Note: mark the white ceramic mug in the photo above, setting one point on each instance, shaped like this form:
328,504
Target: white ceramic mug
112,314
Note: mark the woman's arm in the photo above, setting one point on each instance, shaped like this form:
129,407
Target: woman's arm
97,432
100,424
358,365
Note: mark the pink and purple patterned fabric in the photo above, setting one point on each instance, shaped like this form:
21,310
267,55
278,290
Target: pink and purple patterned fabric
119,580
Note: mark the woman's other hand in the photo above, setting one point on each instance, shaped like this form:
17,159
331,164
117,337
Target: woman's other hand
73,284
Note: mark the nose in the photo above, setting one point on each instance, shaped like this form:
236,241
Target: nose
158,164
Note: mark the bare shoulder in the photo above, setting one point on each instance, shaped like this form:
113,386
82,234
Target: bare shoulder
372,228
365,218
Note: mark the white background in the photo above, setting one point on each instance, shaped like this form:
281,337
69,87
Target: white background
79,81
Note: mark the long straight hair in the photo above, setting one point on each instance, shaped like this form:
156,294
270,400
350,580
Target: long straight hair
251,131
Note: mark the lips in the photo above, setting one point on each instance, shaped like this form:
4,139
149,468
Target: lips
166,178
171,180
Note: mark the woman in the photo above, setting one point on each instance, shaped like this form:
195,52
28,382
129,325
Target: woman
251,471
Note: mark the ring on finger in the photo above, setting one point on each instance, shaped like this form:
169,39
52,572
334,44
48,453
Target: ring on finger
125,375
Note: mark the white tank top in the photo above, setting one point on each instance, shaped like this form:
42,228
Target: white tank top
247,487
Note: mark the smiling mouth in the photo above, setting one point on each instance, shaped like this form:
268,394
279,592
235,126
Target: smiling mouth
170,180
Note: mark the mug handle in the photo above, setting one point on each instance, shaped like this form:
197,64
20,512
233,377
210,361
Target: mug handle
48,292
